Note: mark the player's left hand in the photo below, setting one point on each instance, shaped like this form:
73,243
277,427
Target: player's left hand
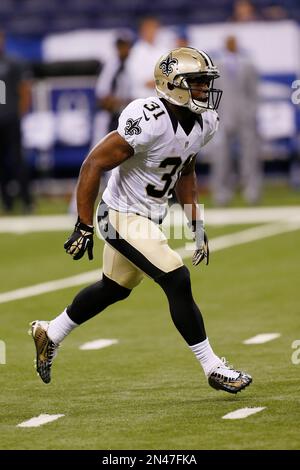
80,241
202,250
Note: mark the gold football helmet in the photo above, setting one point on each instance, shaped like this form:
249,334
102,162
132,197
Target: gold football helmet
173,72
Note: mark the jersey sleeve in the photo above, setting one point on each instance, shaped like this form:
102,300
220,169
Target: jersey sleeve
211,124
135,127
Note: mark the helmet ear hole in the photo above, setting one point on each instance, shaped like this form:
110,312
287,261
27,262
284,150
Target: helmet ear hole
170,86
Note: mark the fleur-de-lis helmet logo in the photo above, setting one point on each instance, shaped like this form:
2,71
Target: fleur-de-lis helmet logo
168,64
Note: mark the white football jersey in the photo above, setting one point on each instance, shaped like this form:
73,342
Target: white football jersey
143,183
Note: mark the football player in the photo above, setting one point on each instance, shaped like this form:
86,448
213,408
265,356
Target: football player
152,153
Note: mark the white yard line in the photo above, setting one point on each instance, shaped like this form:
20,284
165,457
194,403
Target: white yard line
98,344
43,288
243,413
244,236
262,338
218,243
39,421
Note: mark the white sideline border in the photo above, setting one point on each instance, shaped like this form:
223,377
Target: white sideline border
216,244
225,216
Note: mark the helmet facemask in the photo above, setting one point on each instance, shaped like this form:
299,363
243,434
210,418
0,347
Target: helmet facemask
213,97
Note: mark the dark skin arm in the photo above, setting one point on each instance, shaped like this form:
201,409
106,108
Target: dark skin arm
109,153
186,192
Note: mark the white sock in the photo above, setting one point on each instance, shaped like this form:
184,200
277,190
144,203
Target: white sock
205,355
60,327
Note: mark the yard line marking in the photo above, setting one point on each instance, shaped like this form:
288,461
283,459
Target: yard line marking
243,413
98,344
38,289
244,236
39,421
262,338
218,243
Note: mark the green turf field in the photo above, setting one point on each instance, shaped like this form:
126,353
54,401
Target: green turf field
148,391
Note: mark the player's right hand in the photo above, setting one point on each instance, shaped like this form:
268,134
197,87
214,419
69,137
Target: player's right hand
80,241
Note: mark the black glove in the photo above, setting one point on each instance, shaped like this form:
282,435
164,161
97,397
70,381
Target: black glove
201,239
80,241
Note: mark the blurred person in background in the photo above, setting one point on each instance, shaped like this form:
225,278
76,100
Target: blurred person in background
113,93
244,11
14,178
143,58
236,151
152,153
113,88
